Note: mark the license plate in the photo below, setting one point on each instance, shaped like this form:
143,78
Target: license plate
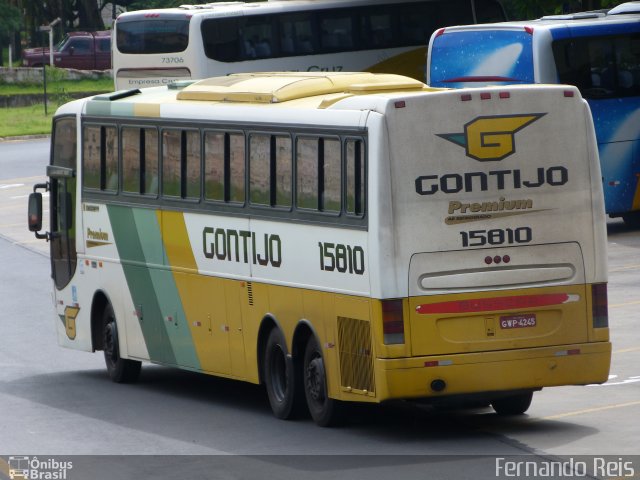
518,321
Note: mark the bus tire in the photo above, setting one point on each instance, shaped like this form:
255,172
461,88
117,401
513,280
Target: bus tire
120,370
325,411
279,377
513,404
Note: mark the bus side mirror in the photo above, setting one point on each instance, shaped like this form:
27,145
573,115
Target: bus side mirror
35,212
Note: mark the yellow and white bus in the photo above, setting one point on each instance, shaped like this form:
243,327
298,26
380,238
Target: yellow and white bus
344,237
156,47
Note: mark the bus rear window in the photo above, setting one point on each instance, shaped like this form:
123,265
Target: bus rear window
157,36
467,58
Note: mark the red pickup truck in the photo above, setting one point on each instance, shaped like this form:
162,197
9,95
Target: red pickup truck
79,50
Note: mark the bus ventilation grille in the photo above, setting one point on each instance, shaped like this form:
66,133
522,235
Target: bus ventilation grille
250,293
356,356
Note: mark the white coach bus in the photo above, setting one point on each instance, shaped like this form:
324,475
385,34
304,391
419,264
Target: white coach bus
156,47
339,238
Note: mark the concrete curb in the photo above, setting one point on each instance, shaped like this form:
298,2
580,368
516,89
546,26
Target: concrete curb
25,137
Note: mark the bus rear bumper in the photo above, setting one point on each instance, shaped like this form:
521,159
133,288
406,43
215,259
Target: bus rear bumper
522,369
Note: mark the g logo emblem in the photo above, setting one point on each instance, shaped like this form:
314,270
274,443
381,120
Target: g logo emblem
488,139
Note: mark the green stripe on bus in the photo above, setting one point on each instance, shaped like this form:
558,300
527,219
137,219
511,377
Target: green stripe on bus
108,108
164,285
140,284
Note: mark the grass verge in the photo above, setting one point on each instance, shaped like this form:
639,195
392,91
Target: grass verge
55,86
26,120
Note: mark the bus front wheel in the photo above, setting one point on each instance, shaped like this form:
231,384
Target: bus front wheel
513,404
120,370
325,411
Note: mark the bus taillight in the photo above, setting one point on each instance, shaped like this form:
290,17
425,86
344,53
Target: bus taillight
392,322
600,304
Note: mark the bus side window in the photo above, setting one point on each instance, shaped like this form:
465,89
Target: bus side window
307,173
140,160
270,170
573,65
296,33
221,37
91,155
100,158
130,145
336,30
377,26
181,164
417,22
318,174
330,195
224,166
356,181
259,169
214,165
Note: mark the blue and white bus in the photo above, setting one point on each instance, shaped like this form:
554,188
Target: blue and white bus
597,52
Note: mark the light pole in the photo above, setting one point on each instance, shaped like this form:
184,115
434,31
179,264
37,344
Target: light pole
51,25
44,28
49,29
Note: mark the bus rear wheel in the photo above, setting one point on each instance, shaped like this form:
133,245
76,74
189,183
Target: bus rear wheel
279,377
120,370
325,411
513,404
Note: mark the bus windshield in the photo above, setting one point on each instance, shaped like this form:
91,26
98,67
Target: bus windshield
153,36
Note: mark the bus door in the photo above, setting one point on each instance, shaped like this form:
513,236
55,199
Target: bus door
62,185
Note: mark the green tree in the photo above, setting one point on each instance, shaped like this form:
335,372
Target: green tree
148,4
530,9
10,22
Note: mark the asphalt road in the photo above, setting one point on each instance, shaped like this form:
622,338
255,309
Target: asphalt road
56,403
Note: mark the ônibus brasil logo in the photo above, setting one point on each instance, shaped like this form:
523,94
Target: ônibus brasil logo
489,139
32,468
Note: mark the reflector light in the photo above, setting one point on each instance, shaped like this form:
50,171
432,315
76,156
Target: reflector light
488,260
400,104
438,363
497,259
505,95
516,302
466,97
392,322
564,353
600,311
506,259
485,96
568,93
